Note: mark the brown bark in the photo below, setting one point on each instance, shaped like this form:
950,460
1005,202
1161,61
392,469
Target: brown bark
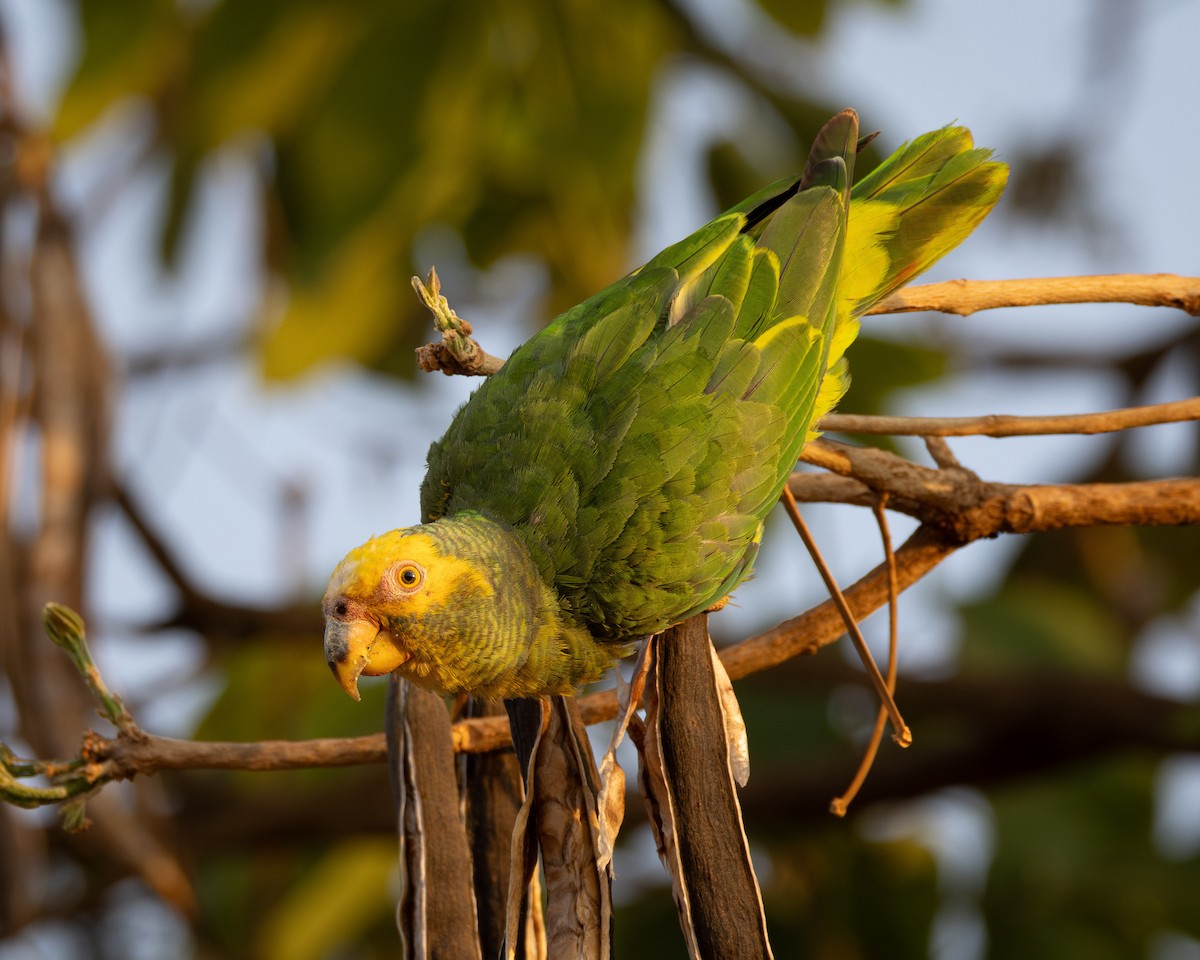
964,297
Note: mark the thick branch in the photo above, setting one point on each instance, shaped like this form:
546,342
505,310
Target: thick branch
955,506
71,403
965,508
964,297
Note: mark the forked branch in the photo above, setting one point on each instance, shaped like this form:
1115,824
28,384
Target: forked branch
954,505
989,509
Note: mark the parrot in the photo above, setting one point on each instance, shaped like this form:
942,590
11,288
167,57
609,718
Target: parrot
613,478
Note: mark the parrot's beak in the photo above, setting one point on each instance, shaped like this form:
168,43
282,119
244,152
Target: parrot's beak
355,647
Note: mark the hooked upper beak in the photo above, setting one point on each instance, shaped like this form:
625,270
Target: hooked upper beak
355,647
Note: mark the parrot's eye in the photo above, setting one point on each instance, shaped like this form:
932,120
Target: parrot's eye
340,609
409,576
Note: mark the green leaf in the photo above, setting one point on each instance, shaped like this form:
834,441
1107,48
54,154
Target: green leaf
1041,622
1075,874
805,17
326,911
130,48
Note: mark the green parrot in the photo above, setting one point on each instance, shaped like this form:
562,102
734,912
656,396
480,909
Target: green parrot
612,479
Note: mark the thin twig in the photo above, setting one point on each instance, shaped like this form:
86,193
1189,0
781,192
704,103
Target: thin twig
841,803
459,353
964,297
999,425
65,628
901,734
1003,509
941,453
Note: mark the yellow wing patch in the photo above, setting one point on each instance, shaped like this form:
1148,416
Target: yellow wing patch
791,323
834,385
865,263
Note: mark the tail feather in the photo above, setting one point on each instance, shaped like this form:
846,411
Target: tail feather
761,294
910,211
838,138
808,235
814,250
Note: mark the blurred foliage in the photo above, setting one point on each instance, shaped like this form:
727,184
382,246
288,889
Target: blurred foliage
1074,874
826,892
1037,622
520,126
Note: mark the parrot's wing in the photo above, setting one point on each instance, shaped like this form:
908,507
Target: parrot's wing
637,443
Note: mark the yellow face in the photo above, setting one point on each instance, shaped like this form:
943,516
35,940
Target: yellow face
402,574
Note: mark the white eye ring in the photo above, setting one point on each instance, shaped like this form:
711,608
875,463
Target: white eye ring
410,577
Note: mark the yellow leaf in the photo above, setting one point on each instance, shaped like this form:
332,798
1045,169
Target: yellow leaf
129,53
271,89
343,895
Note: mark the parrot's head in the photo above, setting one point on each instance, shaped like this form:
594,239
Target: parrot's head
439,603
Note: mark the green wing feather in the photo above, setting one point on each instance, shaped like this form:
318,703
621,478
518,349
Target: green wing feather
911,210
637,443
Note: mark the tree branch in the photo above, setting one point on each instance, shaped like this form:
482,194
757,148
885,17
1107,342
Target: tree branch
965,297
965,508
954,505
457,352
1000,425
993,509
